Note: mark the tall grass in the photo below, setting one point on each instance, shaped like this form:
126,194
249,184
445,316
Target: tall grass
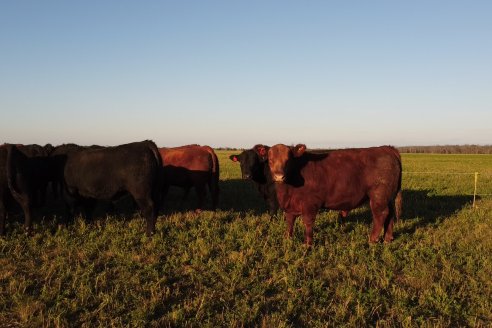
233,267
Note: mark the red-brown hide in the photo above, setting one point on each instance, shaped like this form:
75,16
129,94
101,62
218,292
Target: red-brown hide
338,180
192,166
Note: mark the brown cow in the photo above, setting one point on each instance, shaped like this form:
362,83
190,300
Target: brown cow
191,166
338,180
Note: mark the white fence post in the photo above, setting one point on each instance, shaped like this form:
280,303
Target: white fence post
475,190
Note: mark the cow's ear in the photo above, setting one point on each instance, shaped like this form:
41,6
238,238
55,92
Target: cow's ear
262,151
234,158
299,150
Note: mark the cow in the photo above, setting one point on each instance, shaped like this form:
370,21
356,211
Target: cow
254,167
337,180
34,150
5,195
62,151
191,166
26,176
110,172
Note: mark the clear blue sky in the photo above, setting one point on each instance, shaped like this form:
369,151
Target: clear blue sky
237,73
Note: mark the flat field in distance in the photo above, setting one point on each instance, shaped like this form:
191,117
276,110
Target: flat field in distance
233,267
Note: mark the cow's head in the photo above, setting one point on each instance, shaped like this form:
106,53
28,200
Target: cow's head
251,161
280,160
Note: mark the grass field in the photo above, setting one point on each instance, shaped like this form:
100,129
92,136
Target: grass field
234,268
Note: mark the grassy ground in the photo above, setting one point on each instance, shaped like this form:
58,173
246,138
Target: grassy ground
233,267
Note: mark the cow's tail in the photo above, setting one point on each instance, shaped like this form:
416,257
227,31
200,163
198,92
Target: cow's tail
156,189
214,177
398,205
13,155
155,151
399,196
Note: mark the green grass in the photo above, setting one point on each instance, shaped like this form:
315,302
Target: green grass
234,268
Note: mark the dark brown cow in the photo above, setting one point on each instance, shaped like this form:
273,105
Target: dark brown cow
338,180
191,166
254,167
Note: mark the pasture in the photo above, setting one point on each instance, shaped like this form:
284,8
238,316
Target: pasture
234,268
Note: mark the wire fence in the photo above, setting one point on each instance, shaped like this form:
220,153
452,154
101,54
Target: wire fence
472,174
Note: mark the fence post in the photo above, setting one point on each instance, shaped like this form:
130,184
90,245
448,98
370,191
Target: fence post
475,190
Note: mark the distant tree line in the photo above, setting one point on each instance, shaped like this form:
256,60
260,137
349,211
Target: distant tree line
437,149
447,149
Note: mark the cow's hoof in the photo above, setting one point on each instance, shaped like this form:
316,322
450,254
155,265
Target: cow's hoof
373,241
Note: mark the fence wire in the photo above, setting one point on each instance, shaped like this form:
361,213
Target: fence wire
474,174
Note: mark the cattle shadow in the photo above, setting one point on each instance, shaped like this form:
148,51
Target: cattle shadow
241,195
421,208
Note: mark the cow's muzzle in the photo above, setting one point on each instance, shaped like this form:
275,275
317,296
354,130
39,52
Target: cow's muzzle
278,177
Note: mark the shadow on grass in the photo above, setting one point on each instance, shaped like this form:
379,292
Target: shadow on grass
235,195
420,207
241,196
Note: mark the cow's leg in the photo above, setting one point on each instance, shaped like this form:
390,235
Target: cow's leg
186,193
165,190
308,220
3,214
26,208
42,194
200,192
272,206
55,189
213,187
156,199
146,205
71,203
380,212
343,214
88,205
290,220
389,223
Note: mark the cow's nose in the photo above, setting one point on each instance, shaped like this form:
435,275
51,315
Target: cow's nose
278,177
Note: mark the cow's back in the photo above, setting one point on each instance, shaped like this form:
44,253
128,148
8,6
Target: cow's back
105,172
344,178
193,158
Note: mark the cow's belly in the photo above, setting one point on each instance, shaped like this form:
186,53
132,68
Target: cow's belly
345,201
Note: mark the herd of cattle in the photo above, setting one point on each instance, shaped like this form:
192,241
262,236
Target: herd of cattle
297,181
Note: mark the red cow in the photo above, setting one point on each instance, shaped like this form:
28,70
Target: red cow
338,180
191,166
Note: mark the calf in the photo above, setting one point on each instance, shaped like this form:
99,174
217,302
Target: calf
338,180
191,166
107,173
254,167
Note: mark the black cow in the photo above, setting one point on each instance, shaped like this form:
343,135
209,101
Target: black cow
5,195
26,177
62,151
254,166
110,172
